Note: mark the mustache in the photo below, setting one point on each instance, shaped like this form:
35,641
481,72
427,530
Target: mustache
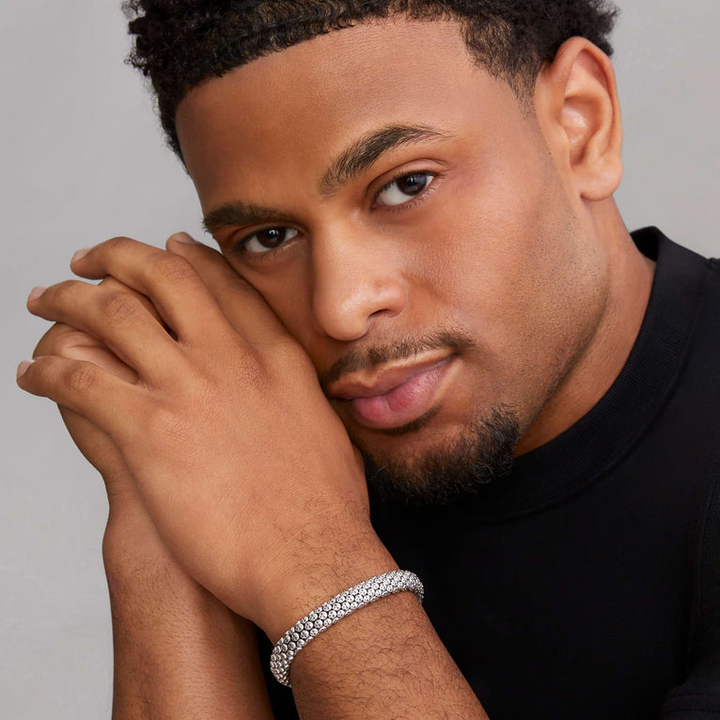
368,358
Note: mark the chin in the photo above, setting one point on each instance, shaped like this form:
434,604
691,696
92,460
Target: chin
480,453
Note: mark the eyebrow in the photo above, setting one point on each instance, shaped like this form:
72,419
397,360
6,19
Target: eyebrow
240,213
365,152
353,161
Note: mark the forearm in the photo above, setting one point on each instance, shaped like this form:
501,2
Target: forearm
383,661
178,651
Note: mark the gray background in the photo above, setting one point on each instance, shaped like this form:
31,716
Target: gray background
82,160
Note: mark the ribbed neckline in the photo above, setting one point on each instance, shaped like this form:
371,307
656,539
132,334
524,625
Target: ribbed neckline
596,442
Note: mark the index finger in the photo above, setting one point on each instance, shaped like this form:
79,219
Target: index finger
172,285
243,306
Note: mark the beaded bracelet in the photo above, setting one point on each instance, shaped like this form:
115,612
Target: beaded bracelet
364,593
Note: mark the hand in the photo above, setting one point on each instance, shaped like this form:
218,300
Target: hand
195,656
97,447
247,472
130,537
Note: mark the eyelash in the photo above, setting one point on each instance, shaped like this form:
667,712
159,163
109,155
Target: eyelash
239,247
420,197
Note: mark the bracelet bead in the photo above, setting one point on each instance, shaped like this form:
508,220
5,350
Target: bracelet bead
335,609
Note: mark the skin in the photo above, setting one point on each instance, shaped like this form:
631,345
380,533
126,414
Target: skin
553,322
516,244
178,651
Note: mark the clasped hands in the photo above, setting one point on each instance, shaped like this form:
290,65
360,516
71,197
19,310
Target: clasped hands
246,472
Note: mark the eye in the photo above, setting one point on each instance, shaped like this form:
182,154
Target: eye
404,188
264,241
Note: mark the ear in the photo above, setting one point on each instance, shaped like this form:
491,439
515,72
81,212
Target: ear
577,106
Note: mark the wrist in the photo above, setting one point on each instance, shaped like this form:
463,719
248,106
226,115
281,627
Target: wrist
336,609
314,578
134,553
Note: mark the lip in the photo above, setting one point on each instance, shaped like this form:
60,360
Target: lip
366,383
398,395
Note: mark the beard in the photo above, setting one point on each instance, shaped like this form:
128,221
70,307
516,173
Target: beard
483,453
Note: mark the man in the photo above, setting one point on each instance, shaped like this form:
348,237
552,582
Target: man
426,271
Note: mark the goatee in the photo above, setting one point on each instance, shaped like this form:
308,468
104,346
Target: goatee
483,453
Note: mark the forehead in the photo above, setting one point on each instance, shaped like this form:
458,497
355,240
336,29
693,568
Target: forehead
297,108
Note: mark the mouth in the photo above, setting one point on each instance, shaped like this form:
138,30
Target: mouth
397,395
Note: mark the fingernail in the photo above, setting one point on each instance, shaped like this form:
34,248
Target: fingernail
183,237
23,366
80,254
36,292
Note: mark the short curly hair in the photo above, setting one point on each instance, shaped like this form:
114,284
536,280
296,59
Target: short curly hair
179,44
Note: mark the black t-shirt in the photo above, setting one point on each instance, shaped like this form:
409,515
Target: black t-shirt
586,584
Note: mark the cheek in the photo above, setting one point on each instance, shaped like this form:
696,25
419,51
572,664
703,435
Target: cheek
503,258
486,241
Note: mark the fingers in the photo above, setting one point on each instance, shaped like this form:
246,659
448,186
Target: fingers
180,296
244,307
95,444
86,389
111,283
69,342
118,318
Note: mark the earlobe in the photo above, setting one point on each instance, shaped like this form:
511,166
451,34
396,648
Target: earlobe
576,100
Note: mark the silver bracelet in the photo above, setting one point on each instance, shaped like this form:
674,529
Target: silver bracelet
300,634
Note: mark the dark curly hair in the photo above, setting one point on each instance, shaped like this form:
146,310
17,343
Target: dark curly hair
178,44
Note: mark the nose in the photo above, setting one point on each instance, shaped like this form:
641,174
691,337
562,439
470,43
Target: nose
356,281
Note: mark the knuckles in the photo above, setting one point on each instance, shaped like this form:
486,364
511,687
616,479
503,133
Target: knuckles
120,308
157,266
48,373
80,377
117,244
170,268
156,263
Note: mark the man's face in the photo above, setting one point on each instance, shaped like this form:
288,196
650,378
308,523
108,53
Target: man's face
412,229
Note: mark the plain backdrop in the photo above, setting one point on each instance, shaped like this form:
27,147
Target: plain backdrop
82,160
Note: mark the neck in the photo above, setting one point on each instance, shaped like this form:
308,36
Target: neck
630,282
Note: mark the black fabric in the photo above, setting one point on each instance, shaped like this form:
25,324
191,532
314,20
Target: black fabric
586,584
